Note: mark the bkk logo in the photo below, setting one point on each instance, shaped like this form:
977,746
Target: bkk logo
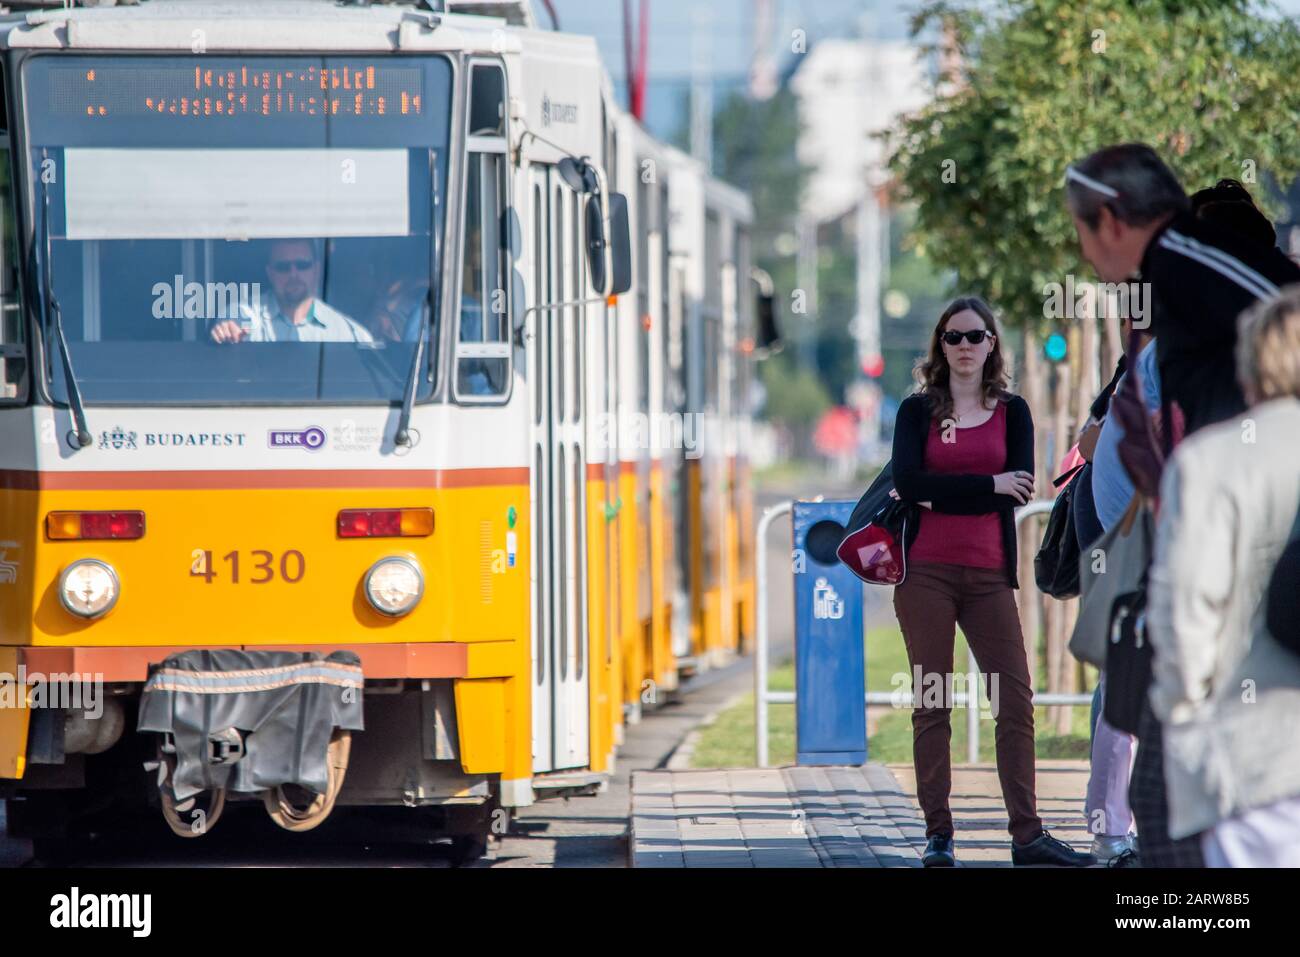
312,439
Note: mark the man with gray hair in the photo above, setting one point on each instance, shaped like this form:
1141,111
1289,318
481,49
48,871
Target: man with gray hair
1135,223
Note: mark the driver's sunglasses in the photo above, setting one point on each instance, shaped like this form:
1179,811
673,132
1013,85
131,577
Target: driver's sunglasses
284,265
974,336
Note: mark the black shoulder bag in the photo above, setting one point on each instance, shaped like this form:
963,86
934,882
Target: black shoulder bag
1056,566
1128,660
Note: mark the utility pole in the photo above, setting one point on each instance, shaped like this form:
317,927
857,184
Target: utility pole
806,273
762,67
634,56
701,88
871,248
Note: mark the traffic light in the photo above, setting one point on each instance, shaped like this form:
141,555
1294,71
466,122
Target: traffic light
1056,347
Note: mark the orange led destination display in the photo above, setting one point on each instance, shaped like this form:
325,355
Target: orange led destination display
243,90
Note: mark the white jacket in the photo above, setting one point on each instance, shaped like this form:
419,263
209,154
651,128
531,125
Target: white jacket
1227,694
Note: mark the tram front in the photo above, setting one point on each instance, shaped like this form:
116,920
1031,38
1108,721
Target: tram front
222,427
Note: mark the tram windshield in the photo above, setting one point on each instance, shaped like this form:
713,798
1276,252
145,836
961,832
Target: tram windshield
226,230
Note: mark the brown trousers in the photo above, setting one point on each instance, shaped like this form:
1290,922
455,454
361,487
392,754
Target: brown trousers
932,600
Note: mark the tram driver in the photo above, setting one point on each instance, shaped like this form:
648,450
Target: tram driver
293,312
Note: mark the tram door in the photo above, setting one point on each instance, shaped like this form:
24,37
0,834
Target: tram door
559,567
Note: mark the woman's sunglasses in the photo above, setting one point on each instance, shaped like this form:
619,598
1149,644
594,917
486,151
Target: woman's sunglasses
974,336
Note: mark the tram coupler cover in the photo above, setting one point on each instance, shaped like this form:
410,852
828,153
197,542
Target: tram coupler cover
247,721
829,655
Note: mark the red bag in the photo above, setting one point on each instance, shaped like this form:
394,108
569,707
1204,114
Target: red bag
877,552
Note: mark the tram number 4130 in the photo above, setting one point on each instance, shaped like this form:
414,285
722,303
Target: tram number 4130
291,566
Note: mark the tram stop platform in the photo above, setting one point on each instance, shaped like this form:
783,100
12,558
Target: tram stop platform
833,816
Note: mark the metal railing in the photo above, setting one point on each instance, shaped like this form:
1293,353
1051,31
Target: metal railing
763,696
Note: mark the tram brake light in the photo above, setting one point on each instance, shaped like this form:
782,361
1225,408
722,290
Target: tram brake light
75,526
385,522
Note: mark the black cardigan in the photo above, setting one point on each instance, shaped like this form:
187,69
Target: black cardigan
962,494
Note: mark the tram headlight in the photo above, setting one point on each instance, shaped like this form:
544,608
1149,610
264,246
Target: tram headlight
394,586
89,588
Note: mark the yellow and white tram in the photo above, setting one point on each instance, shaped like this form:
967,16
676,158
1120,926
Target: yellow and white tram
302,351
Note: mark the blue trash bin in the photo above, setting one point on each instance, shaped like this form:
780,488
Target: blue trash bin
830,666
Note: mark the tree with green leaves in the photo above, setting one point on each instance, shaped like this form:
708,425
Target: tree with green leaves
1210,84
796,399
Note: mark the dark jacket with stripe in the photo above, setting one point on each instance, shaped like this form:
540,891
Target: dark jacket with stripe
1202,276
962,494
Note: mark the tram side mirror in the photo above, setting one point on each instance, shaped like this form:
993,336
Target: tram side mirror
609,256
578,174
619,242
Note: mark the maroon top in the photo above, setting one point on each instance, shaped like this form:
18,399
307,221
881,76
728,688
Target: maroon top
974,540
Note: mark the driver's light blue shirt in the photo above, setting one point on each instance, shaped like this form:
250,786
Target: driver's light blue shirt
323,324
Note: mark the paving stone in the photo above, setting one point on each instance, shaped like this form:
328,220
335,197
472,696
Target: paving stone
774,817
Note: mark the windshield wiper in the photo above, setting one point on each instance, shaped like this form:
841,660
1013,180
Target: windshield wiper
403,436
82,430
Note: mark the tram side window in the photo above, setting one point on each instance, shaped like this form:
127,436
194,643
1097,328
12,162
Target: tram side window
483,346
13,352
487,102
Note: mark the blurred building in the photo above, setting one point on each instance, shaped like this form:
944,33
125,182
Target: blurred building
849,92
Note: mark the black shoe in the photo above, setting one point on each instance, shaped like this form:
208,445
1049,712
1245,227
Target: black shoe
1046,849
1127,859
939,852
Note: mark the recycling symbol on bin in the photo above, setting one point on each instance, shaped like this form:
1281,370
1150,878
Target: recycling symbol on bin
826,603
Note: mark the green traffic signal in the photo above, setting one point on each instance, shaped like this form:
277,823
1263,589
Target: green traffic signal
1055,347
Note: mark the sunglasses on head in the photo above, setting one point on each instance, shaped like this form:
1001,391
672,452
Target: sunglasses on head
284,265
974,336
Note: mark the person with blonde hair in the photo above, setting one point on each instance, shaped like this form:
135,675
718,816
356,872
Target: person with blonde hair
1226,692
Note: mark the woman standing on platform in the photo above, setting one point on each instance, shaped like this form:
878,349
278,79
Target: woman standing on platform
964,450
